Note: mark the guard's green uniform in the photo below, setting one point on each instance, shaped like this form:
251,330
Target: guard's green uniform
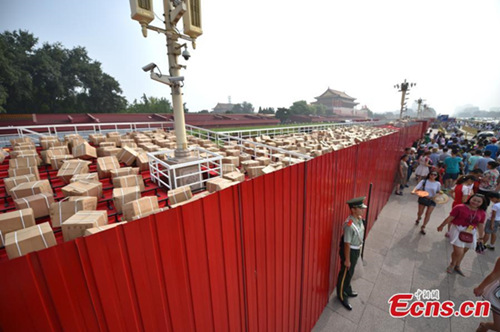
353,234
354,231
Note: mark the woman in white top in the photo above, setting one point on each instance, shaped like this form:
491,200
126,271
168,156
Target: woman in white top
432,186
424,162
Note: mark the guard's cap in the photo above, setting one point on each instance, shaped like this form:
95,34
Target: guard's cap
357,203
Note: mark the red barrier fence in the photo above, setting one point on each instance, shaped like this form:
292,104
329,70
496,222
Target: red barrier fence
262,255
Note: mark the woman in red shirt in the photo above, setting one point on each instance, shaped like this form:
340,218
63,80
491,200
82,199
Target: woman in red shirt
463,190
468,217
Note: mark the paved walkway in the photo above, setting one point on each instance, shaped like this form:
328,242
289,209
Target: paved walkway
399,259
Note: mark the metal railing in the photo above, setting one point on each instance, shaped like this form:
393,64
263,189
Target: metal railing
165,172
83,129
249,133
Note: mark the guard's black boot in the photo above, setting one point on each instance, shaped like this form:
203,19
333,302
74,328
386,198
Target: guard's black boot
346,304
352,294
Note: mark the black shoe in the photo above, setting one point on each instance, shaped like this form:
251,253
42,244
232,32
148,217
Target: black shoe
352,294
346,304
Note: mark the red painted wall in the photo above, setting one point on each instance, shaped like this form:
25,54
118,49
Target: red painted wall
262,255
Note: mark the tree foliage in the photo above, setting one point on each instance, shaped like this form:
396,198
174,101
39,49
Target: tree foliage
150,105
266,110
243,108
53,79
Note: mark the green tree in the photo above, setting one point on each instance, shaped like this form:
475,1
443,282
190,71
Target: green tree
300,107
52,78
150,105
243,108
282,114
268,110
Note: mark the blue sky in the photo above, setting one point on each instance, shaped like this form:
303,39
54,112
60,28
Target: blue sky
277,52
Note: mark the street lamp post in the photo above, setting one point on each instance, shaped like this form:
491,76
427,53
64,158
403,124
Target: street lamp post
404,88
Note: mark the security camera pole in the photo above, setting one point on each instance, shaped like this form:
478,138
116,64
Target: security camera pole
190,12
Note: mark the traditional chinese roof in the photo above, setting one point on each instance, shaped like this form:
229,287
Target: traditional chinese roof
329,93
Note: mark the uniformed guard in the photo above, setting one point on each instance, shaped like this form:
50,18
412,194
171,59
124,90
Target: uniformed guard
350,249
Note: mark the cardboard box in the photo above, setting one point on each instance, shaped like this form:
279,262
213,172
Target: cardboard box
148,213
23,153
53,144
20,140
244,157
140,207
83,188
142,161
231,160
76,225
57,160
217,184
90,177
268,169
233,152
127,156
28,240
98,229
113,134
178,195
23,162
194,198
96,139
47,142
64,209
115,139
48,154
255,171
235,176
14,172
72,167
249,163
17,180
84,151
129,181
40,204
107,145
24,146
124,171
108,152
263,161
228,168
31,188
105,165
15,220
122,196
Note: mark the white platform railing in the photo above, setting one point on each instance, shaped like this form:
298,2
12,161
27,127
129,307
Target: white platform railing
194,173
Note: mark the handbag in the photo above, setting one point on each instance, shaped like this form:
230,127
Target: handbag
467,236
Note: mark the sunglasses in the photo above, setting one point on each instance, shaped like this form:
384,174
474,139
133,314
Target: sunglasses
434,174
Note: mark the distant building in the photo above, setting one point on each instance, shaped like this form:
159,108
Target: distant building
222,108
338,103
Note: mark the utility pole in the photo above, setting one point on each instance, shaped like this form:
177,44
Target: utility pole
419,102
190,12
404,88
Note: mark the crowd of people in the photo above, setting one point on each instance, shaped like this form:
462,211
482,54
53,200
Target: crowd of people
468,172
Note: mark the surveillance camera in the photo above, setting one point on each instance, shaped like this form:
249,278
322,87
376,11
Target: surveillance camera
176,79
149,67
185,54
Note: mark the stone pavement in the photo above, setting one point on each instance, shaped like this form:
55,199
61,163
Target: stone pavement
398,259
